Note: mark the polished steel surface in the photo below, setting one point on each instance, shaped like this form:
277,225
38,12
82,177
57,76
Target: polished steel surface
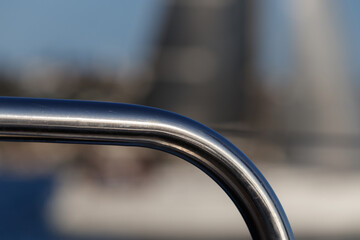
68,121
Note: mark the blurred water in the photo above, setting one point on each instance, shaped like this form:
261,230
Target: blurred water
22,207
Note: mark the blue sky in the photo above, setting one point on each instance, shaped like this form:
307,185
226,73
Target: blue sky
274,55
349,12
110,30
119,31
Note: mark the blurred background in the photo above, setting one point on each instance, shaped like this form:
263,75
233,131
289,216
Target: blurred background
279,78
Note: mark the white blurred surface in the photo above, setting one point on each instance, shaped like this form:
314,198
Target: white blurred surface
179,200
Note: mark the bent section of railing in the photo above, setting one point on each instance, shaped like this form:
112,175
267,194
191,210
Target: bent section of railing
68,121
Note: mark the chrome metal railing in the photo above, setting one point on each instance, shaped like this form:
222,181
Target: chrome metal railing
69,121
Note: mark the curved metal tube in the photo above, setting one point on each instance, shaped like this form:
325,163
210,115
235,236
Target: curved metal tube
68,121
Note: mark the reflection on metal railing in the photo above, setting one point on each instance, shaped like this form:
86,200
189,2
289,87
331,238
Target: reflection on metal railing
66,121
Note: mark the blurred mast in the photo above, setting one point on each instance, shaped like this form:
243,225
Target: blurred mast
323,82
204,67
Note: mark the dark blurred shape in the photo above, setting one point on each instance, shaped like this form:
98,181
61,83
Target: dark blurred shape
204,66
